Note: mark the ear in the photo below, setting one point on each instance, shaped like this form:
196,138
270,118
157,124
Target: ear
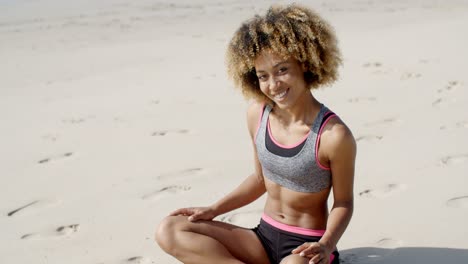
304,67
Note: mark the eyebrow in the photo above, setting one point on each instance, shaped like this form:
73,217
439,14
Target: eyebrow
274,66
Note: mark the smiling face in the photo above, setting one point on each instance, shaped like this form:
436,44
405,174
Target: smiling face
281,80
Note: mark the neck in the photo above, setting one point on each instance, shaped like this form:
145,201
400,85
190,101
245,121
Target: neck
305,108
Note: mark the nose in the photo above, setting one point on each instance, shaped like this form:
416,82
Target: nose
274,84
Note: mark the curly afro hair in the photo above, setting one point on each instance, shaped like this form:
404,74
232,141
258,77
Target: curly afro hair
291,31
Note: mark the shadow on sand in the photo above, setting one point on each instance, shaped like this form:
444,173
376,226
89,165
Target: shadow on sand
410,255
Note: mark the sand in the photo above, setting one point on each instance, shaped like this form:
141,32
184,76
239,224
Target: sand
114,113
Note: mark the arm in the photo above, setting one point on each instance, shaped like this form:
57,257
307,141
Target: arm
248,191
342,156
340,147
253,187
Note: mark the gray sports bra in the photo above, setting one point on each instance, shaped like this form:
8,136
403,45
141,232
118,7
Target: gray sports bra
301,172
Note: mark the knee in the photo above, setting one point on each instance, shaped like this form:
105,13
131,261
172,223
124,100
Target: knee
166,232
294,259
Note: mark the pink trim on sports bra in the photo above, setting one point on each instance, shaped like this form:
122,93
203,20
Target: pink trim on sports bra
259,122
317,142
281,145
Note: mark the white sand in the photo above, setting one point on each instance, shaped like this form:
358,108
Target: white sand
115,113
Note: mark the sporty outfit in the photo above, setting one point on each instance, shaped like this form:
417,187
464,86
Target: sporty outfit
297,168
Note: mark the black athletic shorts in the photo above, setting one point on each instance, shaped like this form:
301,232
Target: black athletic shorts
279,243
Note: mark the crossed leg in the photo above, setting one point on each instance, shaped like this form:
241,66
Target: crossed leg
209,242
294,259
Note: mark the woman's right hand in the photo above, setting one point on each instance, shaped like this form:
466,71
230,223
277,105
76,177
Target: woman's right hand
196,213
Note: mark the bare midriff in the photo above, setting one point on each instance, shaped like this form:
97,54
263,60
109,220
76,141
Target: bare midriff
306,210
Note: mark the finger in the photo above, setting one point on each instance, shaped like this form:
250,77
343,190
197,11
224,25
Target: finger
300,248
194,217
182,211
317,259
313,249
177,212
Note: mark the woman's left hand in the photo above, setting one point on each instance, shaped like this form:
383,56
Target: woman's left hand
316,251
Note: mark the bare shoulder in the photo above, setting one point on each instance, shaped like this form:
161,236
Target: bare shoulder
338,140
341,153
254,112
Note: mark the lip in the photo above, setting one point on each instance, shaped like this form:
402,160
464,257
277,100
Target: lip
279,99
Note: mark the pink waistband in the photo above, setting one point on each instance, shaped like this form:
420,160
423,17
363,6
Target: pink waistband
292,229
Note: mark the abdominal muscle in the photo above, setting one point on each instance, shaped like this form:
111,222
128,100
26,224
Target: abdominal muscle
306,210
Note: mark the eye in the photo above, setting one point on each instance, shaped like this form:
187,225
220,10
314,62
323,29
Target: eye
262,77
282,69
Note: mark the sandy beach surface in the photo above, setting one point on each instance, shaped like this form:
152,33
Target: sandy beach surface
114,113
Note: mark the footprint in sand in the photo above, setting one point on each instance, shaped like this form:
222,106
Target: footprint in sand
389,243
458,125
441,102
423,61
138,260
57,157
362,99
377,67
169,190
136,18
120,120
50,137
59,232
73,120
462,124
386,121
458,202
427,61
372,65
34,206
160,133
77,120
384,191
450,86
410,75
242,218
181,174
454,159
369,138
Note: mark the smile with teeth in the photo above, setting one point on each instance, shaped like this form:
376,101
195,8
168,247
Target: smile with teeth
282,95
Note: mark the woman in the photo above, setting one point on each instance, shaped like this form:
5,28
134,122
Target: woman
302,150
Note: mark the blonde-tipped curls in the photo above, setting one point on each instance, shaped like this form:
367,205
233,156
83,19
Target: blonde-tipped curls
291,31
